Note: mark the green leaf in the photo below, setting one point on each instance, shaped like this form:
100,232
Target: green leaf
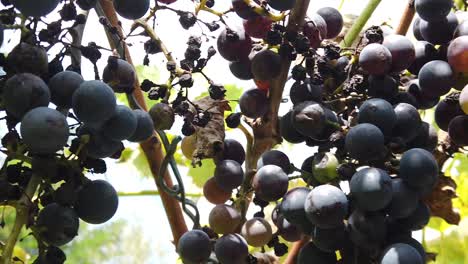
438,223
126,155
141,163
201,174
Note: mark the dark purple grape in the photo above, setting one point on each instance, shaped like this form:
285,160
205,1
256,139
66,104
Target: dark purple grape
233,150
312,254
424,98
309,118
439,32
23,92
333,19
367,229
99,146
243,10
404,201
288,132
44,130
131,9
86,4
241,69
418,168
305,91
292,207
231,249
417,29
426,139
402,254
57,225
119,75
258,26
383,86
326,206
275,157
229,174
97,202
433,10
436,78
417,220
253,103
313,33
266,65
287,231
371,188
458,129
404,97
329,239
379,113
62,86
307,166
424,53
402,50
412,242
364,142
35,8
270,183
144,128
375,59
234,45
194,247
94,102
122,125
281,5
408,122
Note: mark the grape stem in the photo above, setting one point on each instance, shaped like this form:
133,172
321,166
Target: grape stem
406,18
361,21
22,216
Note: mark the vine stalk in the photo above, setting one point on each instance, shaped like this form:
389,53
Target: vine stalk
406,18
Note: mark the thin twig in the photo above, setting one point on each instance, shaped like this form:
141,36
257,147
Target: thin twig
406,18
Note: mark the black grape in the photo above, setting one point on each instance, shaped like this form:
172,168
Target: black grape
99,146
433,10
94,102
410,241
258,26
383,86
57,225
367,229
194,247
326,206
231,249
270,183
257,232
86,4
288,132
306,166
401,254
229,174
233,150
36,8
62,86
418,168
408,122
305,91
312,254
402,50
333,19
417,220
253,103
243,10
266,65
371,188
375,59
275,157
241,69
292,207
27,58
23,92
131,9
309,118
424,53
329,239
424,99
379,113
332,121
404,200
145,127
426,139
234,45
281,5
404,97
439,32
122,125
286,230
416,29
224,219
364,142
44,130
436,78
458,129
120,75
97,202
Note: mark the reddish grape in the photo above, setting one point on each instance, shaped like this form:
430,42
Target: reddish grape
213,193
402,50
262,85
224,219
257,27
457,54
234,45
253,103
257,232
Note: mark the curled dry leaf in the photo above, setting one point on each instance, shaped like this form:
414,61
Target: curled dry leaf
209,139
440,200
266,258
